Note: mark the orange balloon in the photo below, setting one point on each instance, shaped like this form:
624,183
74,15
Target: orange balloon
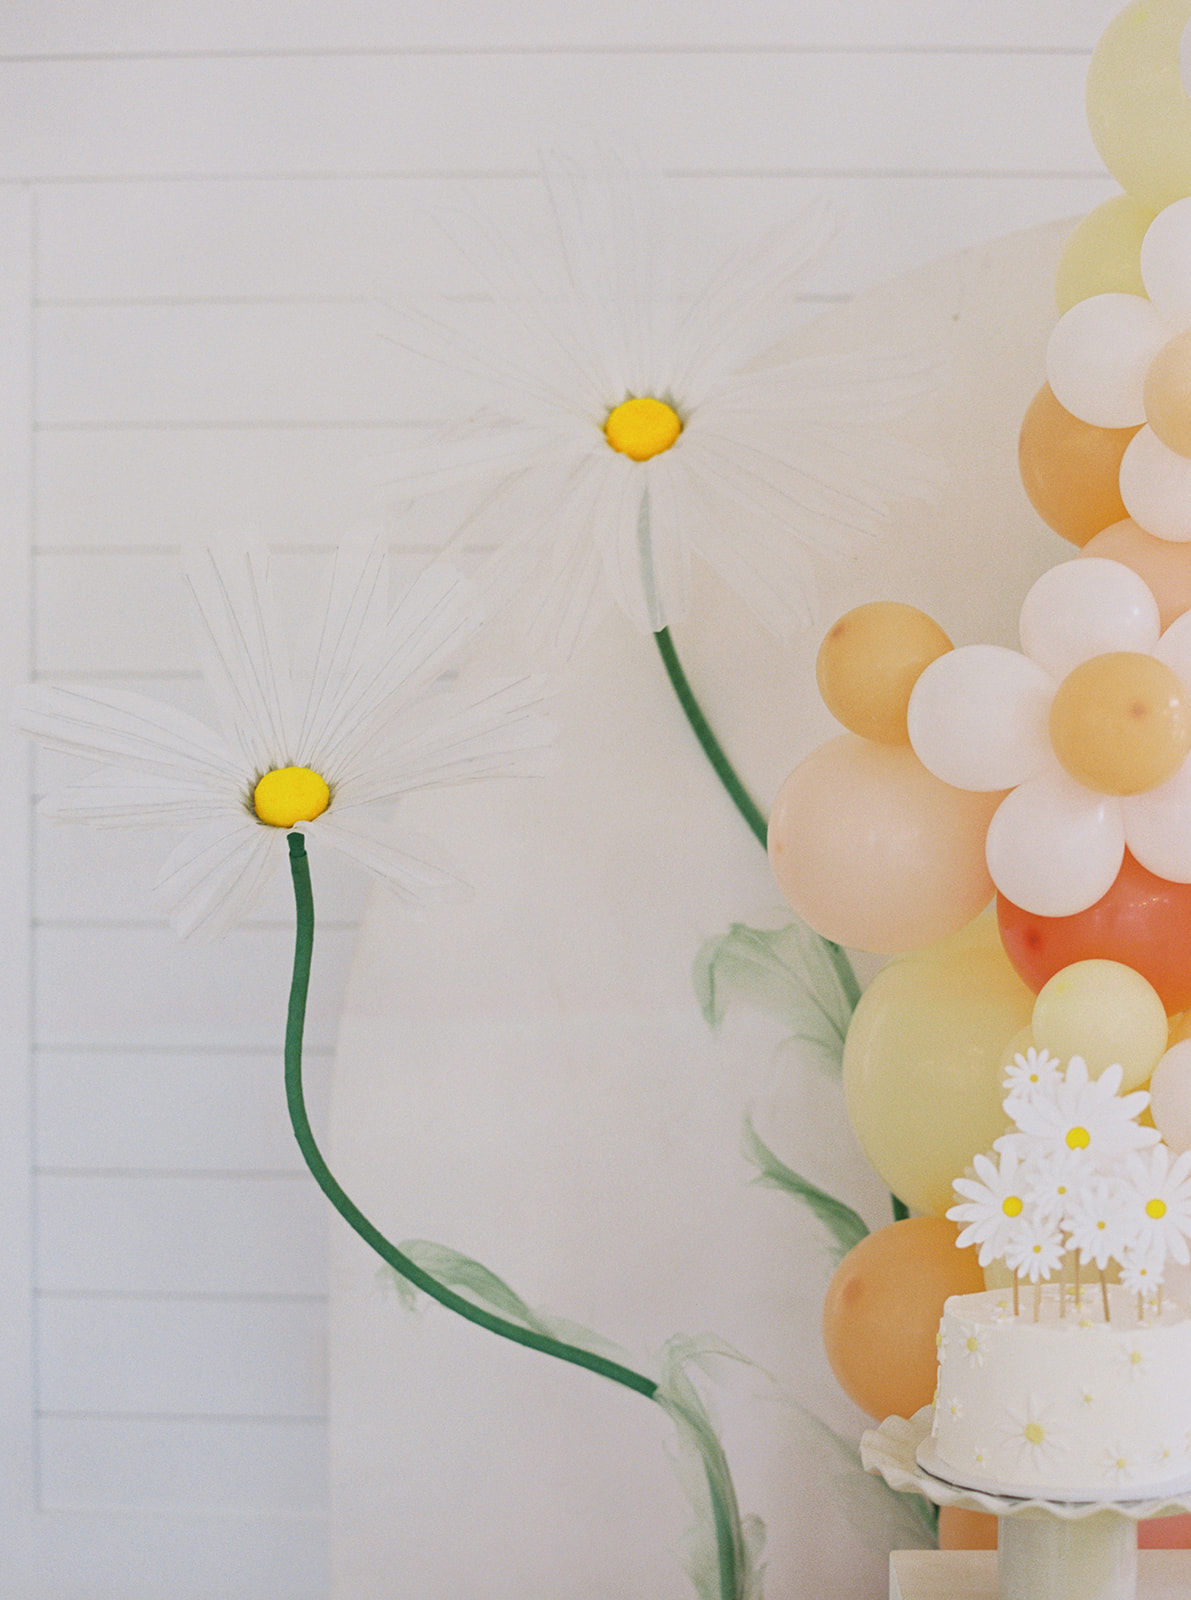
874,851
1070,469
1164,1533
1143,921
869,662
1164,565
960,1529
881,1315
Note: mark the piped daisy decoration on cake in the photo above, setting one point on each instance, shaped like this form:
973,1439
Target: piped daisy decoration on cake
620,429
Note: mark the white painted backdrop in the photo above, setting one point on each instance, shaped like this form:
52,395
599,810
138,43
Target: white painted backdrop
198,203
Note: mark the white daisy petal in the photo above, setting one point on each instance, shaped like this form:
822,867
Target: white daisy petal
408,868
216,875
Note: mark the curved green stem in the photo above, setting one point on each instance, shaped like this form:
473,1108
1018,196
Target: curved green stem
737,793
346,1207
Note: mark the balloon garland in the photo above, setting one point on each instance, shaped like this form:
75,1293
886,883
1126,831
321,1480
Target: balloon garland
1012,828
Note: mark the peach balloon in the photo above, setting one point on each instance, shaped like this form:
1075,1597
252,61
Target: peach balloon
1162,564
961,1529
874,851
881,1314
1070,469
923,1062
870,660
1167,394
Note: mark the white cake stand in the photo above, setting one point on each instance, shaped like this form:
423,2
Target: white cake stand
1046,1549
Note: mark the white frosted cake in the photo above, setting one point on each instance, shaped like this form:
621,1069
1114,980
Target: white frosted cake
1068,1407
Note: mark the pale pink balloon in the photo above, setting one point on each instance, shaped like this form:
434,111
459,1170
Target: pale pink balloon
875,852
1170,1096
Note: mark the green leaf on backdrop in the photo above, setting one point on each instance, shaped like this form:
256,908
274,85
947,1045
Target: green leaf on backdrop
845,1226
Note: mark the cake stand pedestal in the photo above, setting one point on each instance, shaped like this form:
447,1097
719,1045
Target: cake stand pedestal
1046,1550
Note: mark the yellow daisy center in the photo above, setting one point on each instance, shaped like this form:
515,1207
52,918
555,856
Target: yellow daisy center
290,794
1011,1205
1078,1138
1155,1208
1035,1432
642,427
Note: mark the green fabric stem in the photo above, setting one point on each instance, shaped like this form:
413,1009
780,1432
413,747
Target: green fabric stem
736,790
346,1207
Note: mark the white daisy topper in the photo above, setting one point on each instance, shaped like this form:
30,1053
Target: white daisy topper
1079,1177
323,748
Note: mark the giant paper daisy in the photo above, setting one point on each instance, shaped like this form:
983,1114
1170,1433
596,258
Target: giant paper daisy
325,751
1089,729
627,431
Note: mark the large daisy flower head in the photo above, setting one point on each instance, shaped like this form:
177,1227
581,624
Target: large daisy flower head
621,428
318,747
1120,360
1089,729
1087,1114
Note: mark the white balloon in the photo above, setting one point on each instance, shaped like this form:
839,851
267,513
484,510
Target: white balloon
1098,357
1170,1096
1158,826
1156,487
1084,608
977,717
1174,648
1166,264
1054,847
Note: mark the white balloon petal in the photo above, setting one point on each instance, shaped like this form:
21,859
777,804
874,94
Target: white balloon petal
1166,264
1158,826
1098,356
1174,648
1155,485
1084,608
1054,847
977,718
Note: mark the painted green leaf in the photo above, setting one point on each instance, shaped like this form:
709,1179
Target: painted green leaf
844,1225
882,1517
786,972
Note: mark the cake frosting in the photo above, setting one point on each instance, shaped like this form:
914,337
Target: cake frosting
1066,1407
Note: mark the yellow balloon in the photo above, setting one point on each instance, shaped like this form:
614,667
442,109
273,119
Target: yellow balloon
1101,256
1105,1012
1121,723
923,1062
1138,109
870,660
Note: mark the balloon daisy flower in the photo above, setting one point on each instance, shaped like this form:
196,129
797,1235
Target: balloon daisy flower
1119,360
628,431
1089,730
325,753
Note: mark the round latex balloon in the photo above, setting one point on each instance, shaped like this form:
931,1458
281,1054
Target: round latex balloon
876,853
882,1309
978,717
1070,469
1098,355
1120,723
1105,1012
1143,922
1155,486
923,1062
1101,256
1170,1096
870,660
961,1529
1078,609
1054,846
1167,394
1165,262
1138,109
1163,566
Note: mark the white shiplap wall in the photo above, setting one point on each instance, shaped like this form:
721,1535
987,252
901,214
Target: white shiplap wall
198,203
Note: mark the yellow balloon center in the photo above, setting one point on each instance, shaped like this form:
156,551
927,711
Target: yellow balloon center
1167,394
1035,1432
1155,1209
1121,723
290,794
1078,1138
642,427
1011,1205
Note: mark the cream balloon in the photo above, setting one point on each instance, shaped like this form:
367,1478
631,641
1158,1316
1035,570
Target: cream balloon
1098,355
1105,1012
1084,607
875,852
977,717
1164,567
1155,487
1138,109
923,1062
1053,847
